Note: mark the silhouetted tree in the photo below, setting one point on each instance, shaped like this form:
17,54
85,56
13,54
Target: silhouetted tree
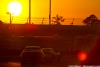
91,20
86,21
58,19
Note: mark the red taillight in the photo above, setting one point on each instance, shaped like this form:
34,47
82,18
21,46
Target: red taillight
82,55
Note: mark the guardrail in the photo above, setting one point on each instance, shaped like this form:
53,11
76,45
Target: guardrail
49,30
44,20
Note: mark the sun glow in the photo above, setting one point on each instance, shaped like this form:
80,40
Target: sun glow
15,8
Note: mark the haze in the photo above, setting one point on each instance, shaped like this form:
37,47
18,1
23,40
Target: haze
65,8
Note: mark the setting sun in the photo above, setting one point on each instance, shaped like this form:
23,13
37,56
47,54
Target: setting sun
40,8
15,8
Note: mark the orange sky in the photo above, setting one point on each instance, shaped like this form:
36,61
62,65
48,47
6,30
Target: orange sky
65,8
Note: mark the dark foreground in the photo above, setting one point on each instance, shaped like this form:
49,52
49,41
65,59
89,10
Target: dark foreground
15,62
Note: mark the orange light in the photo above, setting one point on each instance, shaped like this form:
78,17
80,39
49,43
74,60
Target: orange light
82,55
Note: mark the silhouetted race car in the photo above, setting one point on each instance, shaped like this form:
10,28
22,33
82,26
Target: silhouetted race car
32,54
51,55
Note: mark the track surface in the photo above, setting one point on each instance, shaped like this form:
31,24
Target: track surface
15,62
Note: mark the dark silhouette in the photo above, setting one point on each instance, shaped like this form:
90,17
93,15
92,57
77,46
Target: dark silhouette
11,17
28,21
1,24
42,21
58,19
91,20
72,22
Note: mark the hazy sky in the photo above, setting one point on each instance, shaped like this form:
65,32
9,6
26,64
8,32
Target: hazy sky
65,8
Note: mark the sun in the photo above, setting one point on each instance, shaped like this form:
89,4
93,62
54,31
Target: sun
15,8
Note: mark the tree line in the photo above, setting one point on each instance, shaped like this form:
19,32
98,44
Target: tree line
91,20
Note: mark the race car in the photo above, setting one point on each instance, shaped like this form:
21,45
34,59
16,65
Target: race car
51,55
32,54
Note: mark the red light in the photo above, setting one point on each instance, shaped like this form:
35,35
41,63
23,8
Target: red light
82,55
